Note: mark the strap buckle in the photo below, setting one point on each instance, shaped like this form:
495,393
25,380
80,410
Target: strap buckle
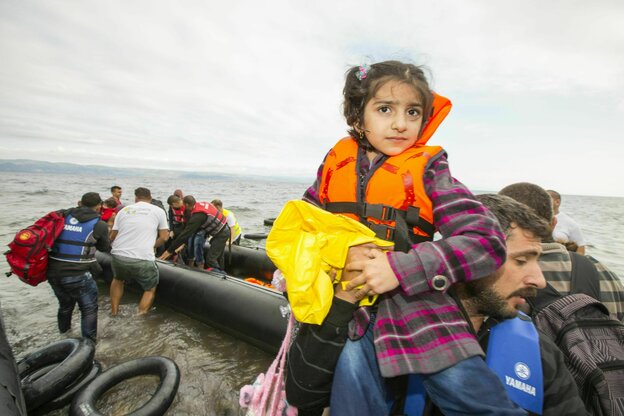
379,212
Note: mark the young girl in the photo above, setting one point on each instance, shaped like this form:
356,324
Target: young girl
386,176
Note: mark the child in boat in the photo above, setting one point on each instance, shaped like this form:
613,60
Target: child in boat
386,176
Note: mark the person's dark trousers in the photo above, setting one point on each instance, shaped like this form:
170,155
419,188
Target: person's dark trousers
83,290
217,247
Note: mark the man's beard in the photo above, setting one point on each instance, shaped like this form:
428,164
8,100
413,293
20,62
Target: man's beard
489,303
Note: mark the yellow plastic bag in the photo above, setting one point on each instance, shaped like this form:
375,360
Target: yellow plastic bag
306,243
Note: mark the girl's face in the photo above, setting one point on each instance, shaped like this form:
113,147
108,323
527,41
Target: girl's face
392,119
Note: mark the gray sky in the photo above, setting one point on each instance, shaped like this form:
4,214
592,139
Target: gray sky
249,86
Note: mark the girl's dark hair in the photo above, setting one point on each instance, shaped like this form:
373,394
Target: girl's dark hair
357,92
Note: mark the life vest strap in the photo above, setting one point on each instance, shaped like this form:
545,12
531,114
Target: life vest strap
383,213
60,256
75,243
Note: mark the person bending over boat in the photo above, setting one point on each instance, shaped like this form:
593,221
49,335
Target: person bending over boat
137,231
204,217
176,218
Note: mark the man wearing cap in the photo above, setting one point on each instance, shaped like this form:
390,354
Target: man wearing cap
72,264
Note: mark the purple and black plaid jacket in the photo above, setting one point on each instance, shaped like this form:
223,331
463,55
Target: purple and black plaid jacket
418,329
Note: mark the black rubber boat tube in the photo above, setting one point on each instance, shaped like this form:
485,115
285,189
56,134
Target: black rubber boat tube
245,310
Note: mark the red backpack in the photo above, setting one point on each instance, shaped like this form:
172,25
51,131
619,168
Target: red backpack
28,252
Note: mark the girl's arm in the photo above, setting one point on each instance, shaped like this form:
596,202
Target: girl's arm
472,247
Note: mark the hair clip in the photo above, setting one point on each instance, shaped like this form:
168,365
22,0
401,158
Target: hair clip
362,72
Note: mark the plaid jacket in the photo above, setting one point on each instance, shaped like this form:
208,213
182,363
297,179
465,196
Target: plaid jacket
418,329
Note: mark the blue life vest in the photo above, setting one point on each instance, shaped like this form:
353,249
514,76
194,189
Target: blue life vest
513,354
76,243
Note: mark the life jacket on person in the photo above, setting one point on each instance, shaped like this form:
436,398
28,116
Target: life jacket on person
215,221
236,227
76,243
393,201
107,213
177,217
514,355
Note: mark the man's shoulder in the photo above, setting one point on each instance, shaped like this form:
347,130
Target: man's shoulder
555,258
565,220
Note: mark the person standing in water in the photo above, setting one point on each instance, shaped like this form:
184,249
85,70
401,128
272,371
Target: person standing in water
138,230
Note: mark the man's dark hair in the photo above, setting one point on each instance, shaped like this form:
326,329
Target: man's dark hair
513,214
532,195
173,199
189,200
142,193
90,200
359,90
217,203
114,188
554,194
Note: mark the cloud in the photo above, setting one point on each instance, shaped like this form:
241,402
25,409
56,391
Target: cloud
250,86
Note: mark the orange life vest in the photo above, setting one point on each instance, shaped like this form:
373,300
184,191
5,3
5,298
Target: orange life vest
395,204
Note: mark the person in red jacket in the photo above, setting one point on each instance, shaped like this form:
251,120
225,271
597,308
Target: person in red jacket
204,217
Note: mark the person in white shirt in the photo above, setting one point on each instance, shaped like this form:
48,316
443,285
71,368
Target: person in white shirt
566,229
138,229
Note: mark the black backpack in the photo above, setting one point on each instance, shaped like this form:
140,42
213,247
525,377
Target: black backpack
593,345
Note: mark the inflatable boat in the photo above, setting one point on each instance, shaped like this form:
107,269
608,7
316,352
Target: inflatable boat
249,311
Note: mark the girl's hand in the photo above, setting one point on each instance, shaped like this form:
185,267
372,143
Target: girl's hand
375,277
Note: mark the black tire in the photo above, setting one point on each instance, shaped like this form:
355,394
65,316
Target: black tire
35,375
256,236
84,402
269,221
75,357
66,398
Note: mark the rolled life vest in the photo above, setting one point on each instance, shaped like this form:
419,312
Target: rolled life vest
514,355
107,213
215,221
393,203
236,228
76,243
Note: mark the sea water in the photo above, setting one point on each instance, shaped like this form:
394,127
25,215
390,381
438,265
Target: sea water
214,365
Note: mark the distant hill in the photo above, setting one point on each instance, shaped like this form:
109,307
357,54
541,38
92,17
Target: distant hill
36,166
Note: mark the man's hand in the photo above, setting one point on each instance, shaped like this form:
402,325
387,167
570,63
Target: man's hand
164,256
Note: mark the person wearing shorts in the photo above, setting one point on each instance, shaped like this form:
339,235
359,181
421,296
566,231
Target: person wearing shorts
137,231
142,272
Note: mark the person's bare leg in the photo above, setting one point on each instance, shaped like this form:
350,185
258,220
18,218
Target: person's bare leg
146,301
116,292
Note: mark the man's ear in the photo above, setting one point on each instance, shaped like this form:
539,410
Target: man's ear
553,223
